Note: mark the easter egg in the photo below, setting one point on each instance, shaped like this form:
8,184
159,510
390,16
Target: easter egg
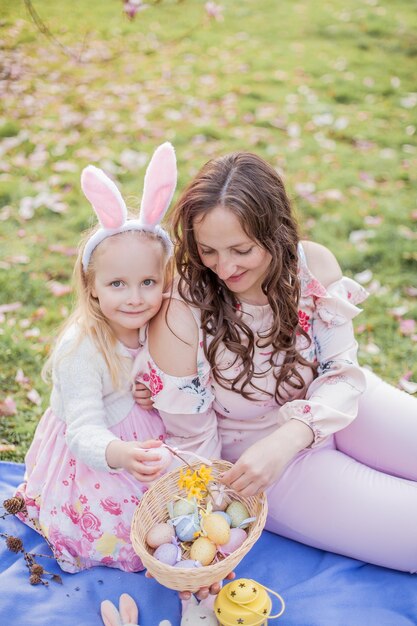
238,512
159,534
165,460
168,553
226,516
216,528
187,564
183,507
186,526
237,537
203,550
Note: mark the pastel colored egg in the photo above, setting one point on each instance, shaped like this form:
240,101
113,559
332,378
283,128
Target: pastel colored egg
159,534
237,537
237,512
186,527
203,550
168,553
187,564
183,507
165,460
226,516
216,528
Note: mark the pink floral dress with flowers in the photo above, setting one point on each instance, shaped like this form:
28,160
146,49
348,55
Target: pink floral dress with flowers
84,514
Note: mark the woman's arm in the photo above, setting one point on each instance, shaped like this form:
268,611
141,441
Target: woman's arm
182,396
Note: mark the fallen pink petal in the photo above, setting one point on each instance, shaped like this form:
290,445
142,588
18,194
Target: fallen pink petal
8,407
58,289
9,308
34,397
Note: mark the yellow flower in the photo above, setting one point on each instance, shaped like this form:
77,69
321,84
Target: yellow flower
205,474
195,492
195,482
185,479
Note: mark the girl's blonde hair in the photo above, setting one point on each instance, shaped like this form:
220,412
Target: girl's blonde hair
87,314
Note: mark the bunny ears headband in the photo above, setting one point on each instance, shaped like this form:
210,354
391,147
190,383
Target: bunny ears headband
110,208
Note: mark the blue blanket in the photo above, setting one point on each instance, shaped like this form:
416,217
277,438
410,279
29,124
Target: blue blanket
320,589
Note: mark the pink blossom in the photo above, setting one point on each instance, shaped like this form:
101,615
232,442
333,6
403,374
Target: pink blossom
214,11
303,320
8,308
90,526
408,326
131,561
122,531
69,510
8,406
155,382
63,543
58,289
111,506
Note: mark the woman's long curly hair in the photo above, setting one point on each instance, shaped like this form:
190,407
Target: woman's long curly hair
249,187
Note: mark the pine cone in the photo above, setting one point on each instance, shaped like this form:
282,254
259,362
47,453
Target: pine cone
37,569
14,544
14,505
35,579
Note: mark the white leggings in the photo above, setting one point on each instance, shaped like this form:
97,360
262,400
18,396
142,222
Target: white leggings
356,494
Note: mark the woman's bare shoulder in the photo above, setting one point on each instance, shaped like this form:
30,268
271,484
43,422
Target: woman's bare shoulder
173,338
321,262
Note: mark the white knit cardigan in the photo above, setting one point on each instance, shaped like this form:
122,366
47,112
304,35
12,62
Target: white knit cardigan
84,397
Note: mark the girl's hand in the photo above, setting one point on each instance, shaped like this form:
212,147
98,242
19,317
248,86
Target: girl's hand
139,458
142,396
203,592
262,464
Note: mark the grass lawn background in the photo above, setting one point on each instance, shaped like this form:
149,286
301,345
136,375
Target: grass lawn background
326,92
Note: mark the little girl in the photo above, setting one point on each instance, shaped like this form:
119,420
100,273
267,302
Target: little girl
95,449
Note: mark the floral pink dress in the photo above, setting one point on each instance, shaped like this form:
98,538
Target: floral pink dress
84,514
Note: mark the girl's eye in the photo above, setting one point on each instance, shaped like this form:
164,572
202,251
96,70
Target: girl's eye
116,283
148,282
206,252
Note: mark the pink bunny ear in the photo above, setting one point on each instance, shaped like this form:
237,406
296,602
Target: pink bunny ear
159,185
104,196
128,609
110,614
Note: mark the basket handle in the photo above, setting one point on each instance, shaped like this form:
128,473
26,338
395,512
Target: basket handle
175,451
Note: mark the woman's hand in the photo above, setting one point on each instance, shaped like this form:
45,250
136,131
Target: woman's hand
262,464
136,457
203,592
143,396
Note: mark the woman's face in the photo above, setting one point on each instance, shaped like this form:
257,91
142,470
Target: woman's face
224,247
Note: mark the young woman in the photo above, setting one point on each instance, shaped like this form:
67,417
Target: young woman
256,363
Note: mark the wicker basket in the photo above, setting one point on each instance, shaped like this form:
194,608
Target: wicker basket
153,509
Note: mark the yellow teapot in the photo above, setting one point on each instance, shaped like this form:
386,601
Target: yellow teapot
244,601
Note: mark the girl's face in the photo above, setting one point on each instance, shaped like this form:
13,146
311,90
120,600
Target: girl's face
226,249
128,283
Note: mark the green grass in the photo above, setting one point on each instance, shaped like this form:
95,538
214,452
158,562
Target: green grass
325,91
